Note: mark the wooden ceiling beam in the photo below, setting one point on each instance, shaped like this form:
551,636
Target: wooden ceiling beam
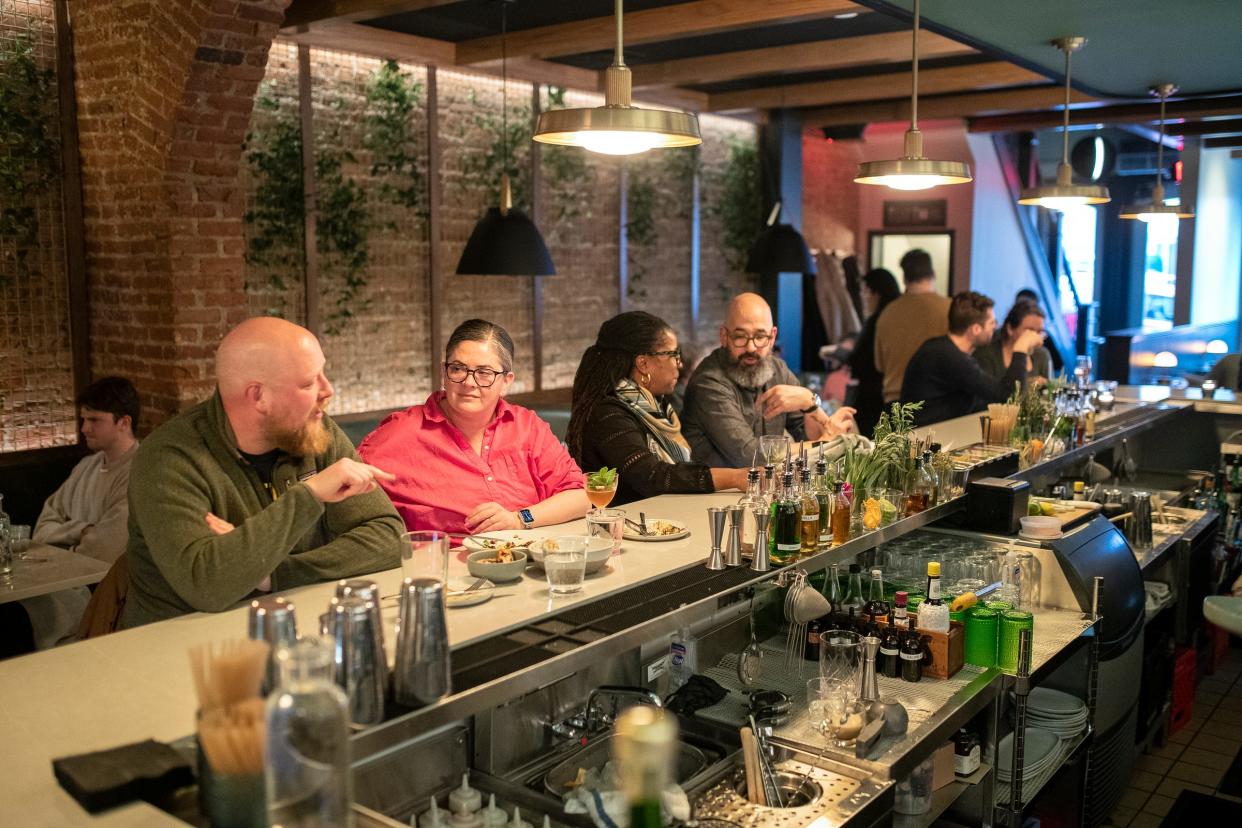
1229,126
892,47
304,12
873,87
696,17
368,40
1116,113
949,106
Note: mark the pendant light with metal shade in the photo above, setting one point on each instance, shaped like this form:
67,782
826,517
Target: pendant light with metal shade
1065,193
1157,212
913,171
779,249
618,127
505,242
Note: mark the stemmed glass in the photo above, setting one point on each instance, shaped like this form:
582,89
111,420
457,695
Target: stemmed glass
773,447
835,710
599,495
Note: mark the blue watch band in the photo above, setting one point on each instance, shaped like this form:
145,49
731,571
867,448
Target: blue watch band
526,517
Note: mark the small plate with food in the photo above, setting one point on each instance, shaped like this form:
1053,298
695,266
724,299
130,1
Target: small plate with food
496,541
657,530
505,563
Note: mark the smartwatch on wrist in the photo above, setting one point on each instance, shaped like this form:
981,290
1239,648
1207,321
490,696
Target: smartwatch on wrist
527,518
813,405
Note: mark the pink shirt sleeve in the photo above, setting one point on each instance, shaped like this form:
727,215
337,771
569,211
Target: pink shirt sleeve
551,466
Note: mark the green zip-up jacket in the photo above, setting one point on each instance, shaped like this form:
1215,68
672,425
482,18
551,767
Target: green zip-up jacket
191,466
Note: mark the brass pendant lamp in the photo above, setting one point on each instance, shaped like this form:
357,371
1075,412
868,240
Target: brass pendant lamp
505,242
618,127
1065,193
913,171
1157,212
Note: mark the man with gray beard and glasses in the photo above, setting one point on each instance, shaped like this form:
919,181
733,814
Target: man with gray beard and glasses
741,392
255,489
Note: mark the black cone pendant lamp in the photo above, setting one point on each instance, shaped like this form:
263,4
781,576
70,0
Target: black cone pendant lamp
505,242
779,249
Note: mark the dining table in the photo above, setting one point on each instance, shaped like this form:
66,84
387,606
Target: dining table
44,569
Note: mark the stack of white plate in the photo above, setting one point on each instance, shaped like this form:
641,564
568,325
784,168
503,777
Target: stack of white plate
1041,750
1060,714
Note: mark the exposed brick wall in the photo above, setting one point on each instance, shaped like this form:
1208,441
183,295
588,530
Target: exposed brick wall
830,197
164,94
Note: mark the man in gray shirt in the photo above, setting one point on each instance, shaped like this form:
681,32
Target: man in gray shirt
741,391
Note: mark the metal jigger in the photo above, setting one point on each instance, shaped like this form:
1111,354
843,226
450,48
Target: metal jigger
869,690
759,561
733,547
716,520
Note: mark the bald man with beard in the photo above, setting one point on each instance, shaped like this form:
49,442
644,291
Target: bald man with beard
255,489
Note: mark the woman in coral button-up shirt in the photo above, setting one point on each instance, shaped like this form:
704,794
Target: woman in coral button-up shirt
466,461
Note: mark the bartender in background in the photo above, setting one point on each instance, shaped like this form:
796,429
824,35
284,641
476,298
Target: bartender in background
944,377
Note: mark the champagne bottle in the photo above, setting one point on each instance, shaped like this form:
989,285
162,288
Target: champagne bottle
644,750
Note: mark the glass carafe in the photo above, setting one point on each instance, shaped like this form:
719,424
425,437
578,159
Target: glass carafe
308,776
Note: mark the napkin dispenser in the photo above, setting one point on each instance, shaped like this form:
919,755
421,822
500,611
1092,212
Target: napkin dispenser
996,505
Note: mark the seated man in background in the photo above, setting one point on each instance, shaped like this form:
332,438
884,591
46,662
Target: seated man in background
88,513
253,489
942,375
741,391
908,321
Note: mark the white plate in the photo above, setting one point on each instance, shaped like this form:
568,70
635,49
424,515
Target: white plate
1039,744
467,599
490,540
682,531
1055,702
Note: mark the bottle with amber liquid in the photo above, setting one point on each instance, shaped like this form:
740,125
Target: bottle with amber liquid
840,515
810,514
918,492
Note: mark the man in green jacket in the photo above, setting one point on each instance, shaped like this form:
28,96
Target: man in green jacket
255,489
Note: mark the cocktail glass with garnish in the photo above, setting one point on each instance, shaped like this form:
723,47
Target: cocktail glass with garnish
601,487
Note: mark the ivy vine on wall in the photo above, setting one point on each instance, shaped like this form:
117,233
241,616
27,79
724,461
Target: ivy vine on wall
276,241
739,201
392,100
29,148
675,170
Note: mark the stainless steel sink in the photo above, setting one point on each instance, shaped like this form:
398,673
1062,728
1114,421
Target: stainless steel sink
690,762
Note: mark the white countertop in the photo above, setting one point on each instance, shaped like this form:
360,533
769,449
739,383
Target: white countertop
136,684
47,569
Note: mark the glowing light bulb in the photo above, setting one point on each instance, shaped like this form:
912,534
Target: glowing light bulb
910,182
1218,346
1062,203
616,142
1165,359
1164,222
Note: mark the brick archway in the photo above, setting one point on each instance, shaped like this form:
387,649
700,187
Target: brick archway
164,94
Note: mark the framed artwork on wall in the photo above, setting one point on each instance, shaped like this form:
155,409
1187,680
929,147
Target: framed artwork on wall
921,213
885,249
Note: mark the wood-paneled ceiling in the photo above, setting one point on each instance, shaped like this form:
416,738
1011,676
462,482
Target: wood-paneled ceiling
836,62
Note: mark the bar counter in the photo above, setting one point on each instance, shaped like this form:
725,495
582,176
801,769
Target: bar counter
136,684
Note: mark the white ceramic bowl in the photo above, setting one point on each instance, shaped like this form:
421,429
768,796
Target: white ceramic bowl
599,550
478,565
1041,526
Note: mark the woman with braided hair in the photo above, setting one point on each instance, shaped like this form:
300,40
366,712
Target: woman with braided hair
621,417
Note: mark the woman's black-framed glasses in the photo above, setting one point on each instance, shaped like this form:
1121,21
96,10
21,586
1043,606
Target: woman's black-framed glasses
483,377
675,354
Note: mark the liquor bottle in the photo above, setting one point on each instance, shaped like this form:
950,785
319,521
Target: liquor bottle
840,514
752,502
889,660
911,654
853,601
900,616
965,753
810,650
876,607
786,530
810,515
832,588
770,490
918,490
1088,418
643,749
933,612
933,495
823,493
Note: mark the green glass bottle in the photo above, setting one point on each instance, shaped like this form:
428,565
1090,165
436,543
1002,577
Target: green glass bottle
644,750
786,525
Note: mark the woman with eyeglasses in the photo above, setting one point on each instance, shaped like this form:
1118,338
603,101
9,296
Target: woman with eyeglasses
466,460
621,415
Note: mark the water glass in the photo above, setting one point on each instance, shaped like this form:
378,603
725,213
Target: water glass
1012,623
834,709
773,447
425,555
19,537
6,555
565,564
956,484
981,635
607,523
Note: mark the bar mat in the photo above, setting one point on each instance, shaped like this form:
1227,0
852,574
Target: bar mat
103,779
